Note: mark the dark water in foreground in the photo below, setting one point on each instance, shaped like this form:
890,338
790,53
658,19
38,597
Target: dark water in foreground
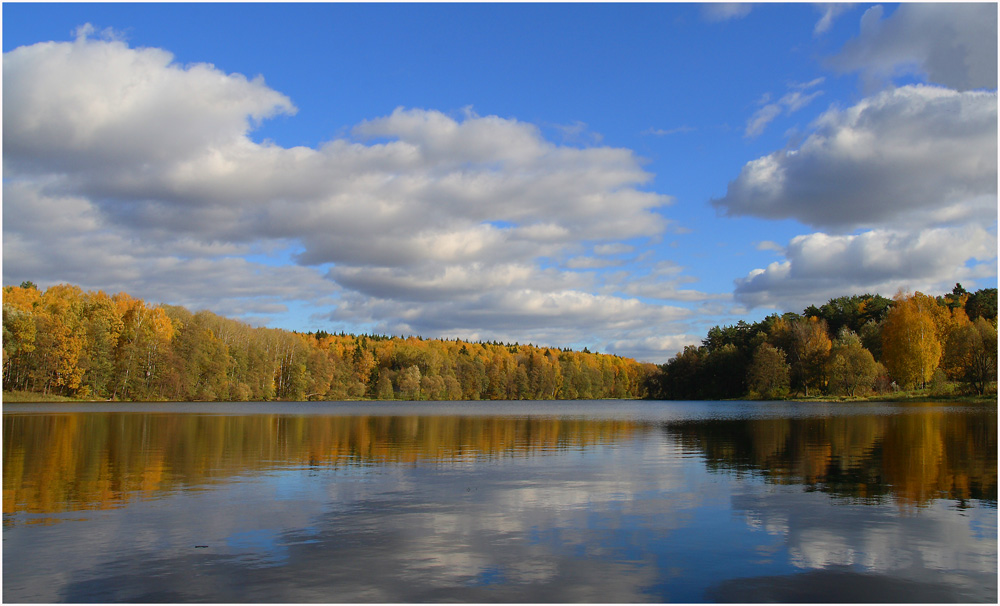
485,502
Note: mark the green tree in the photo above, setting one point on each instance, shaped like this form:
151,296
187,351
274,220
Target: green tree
724,373
982,304
681,377
810,349
851,366
383,388
409,383
853,311
972,354
768,373
103,326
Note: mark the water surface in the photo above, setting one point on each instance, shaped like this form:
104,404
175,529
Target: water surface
501,501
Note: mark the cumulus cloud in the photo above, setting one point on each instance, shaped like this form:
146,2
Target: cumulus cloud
820,266
665,282
915,155
416,219
524,315
50,239
78,106
953,44
901,185
616,248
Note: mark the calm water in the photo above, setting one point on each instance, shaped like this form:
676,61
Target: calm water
485,502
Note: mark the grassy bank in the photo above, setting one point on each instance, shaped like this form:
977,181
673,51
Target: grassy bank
913,395
30,396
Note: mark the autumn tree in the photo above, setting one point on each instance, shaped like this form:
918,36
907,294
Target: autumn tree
142,344
103,326
911,348
60,339
121,348
202,360
18,343
365,364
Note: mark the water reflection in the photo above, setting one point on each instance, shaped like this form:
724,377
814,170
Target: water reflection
68,461
98,460
912,458
687,506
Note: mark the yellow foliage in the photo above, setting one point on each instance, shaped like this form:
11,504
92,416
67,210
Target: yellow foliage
911,346
24,299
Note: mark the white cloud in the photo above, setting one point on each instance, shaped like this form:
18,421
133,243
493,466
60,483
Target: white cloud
911,171
807,85
524,315
663,132
954,44
761,118
830,10
654,348
418,220
669,290
616,248
52,239
88,104
724,11
788,104
584,262
769,245
913,156
820,266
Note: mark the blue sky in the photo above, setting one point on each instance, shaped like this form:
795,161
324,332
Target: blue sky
621,177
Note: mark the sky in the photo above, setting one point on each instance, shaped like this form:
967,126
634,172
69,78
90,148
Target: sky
620,177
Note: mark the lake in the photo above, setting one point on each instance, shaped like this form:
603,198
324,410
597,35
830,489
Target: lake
580,501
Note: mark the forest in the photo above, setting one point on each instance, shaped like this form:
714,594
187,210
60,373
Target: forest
851,346
91,345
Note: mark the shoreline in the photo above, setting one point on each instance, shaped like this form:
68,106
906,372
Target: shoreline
27,397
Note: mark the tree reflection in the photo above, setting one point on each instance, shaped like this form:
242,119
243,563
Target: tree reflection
914,457
73,461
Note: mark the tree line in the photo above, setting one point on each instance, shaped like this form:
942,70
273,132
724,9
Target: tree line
93,345
851,346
